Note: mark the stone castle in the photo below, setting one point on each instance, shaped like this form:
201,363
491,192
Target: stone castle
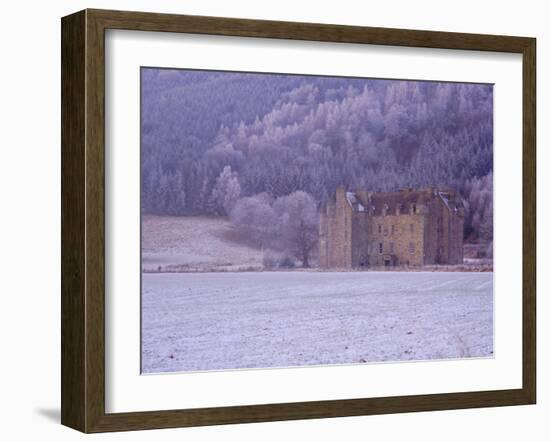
405,228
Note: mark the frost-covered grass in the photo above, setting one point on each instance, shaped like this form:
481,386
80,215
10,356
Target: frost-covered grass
214,321
194,243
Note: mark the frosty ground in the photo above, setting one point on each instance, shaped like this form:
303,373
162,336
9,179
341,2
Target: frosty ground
216,321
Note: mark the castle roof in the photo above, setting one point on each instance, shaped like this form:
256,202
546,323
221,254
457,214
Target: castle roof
361,201
354,201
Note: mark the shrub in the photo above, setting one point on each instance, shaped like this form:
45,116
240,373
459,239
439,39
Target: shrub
270,260
275,260
287,262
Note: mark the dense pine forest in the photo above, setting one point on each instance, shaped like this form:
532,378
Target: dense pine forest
212,139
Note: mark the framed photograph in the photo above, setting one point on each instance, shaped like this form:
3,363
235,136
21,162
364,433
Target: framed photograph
269,220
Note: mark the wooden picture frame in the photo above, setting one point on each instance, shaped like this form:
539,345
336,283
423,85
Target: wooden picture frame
83,220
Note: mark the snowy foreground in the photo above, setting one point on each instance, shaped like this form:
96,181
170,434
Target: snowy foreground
215,321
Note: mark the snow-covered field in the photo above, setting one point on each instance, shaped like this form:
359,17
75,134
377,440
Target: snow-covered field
214,321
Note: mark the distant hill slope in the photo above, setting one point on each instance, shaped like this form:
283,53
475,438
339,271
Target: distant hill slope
194,243
282,133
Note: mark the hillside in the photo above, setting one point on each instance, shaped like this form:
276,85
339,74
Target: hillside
284,133
194,243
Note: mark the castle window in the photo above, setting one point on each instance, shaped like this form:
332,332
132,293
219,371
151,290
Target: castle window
391,247
379,228
411,226
411,248
414,208
385,231
380,248
392,229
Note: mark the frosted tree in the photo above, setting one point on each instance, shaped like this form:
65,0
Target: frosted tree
478,202
227,190
298,219
254,218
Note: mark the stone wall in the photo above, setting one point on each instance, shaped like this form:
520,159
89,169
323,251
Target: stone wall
434,233
444,234
456,238
359,240
400,236
335,230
